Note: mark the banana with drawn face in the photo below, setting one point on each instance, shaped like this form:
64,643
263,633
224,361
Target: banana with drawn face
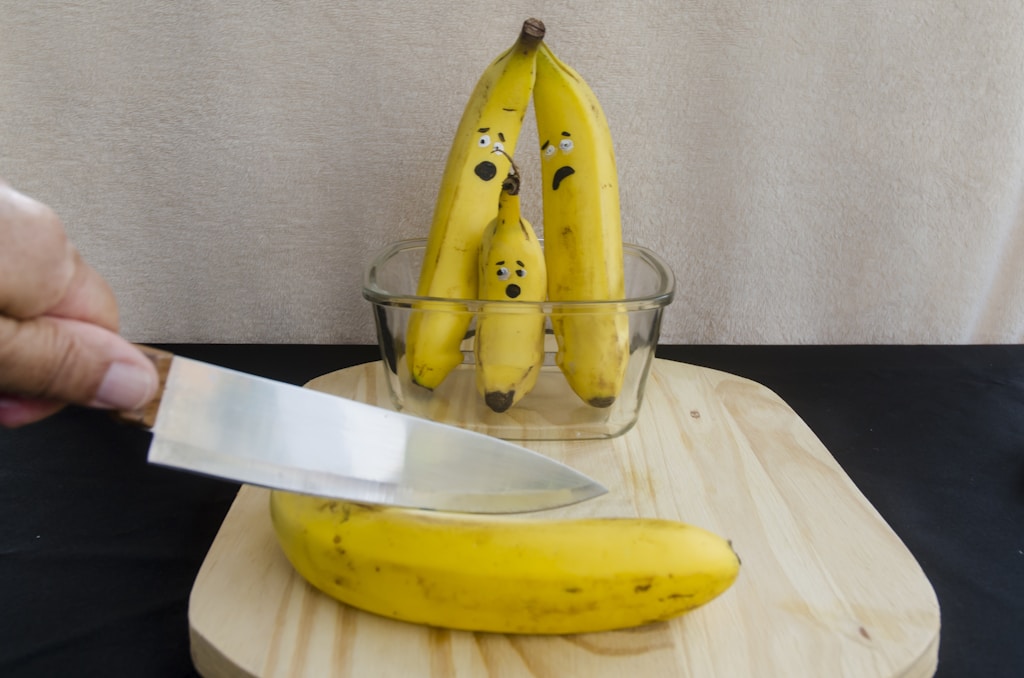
509,341
466,203
582,231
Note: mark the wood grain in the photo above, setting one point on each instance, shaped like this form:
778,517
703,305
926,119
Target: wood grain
826,588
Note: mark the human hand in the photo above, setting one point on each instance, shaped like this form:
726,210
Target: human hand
58,323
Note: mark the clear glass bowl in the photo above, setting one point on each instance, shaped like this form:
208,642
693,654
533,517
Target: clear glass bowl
551,410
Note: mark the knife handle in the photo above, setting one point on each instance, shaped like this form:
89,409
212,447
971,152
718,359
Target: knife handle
145,416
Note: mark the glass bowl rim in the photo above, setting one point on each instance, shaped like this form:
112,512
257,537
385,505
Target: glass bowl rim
662,297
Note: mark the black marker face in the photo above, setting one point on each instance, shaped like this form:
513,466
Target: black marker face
512,290
560,174
486,170
549,150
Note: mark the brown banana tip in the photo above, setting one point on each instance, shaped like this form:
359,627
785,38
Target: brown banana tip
511,184
534,28
499,401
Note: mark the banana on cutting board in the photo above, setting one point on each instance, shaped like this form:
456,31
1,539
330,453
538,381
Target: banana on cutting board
502,574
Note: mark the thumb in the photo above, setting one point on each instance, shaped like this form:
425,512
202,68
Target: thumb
72,361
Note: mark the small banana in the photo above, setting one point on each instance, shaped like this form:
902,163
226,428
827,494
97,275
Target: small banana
502,574
582,230
509,341
466,203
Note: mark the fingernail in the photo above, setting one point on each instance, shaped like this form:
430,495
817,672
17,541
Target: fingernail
125,387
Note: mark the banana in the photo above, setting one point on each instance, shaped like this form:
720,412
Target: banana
509,341
502,574
582,230
466,203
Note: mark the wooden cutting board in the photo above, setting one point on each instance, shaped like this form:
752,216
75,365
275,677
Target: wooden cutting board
826,587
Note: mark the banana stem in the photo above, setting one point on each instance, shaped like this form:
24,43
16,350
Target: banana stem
512,182
533,29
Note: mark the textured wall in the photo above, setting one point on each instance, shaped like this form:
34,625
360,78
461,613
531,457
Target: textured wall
814,172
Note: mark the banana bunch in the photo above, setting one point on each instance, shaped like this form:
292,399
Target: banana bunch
582,228
582,231
505,575
466,202
509,340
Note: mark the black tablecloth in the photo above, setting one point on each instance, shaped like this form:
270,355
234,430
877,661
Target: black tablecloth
98,550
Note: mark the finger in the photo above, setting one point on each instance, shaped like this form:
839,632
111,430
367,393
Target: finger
88,297
37,262
73,362
17,411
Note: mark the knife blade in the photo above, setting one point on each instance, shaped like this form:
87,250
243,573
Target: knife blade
221,422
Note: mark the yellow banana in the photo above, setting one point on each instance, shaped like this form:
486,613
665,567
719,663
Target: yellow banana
501,574
582,230
509,342
466,203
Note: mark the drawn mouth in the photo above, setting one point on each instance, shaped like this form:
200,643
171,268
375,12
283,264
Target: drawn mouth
560,174
486,170
512,290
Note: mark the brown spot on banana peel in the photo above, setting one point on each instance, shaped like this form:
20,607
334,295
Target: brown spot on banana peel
644,587
417,377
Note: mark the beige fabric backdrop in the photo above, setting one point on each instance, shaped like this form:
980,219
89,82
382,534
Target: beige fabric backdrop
829,172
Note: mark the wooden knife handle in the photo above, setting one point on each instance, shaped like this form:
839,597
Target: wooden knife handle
145,417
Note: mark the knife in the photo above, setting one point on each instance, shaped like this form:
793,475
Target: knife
220,422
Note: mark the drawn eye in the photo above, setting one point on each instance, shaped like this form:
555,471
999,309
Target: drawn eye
498,146
503,273
565,145
520,272
485,141
549,151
